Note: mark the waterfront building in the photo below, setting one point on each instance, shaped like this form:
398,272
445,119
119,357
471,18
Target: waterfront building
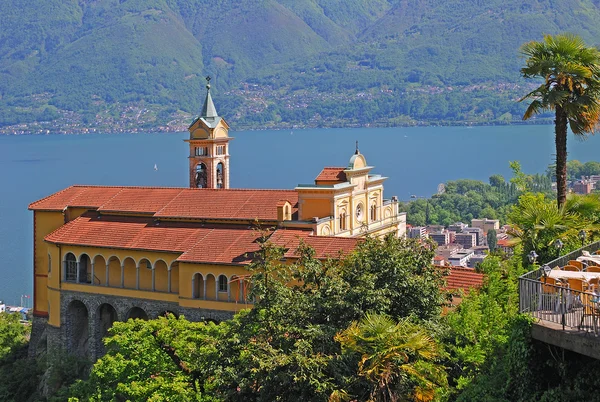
109,253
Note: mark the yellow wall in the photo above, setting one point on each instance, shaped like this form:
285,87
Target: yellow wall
320,207
45,223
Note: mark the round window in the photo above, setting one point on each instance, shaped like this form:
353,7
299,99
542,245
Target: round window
359,211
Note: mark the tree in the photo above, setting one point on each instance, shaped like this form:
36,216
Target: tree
397,359
492,240
13,334
537,223
497,180
571,88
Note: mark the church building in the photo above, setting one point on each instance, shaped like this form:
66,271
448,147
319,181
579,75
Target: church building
107,253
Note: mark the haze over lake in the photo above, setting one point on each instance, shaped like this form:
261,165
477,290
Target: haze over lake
414,159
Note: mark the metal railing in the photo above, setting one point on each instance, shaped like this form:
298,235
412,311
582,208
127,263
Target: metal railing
570,308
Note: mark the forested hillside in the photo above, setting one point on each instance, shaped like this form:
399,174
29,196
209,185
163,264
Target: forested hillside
118,64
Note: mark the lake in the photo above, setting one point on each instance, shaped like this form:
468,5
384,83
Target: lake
416,160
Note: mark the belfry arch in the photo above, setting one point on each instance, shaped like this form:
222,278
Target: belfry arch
77,329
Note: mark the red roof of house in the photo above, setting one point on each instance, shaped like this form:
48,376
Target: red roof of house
504,243
167,202
198,243
332,174
324,246
462,278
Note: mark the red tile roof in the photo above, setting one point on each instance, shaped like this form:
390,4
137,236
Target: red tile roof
332,174
167,202
228,204
463,278
324,246
198,243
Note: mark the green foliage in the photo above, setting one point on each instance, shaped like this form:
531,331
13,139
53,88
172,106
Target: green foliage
284,348
467,199
397,359
13,334
482,322
319,62
492,240
538,223
576,169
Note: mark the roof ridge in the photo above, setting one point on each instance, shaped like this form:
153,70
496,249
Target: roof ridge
173,188
167,204
49,196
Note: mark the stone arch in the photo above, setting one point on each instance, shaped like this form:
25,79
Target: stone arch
113,273
136,313
325,231
198,286
77,328
146,272
70,267
129,273
99,270
388,212
174,277
106,315
220,172
161,276
201,175
211,288
85,268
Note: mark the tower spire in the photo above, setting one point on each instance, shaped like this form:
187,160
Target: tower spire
209,110
357,151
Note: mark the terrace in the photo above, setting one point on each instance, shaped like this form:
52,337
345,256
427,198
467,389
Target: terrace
563,298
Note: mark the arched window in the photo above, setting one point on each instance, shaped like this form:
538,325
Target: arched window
200,175
70,268
222,283
220,175
373,212
197,286
343,220
49,264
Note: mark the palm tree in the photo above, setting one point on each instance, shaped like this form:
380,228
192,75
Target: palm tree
537,223
398,359
571,88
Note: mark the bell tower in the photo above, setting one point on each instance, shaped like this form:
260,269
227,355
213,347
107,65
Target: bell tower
209,147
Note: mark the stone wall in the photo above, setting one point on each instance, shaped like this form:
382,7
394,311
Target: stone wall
85,318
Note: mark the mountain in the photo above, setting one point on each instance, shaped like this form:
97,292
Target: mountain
68,65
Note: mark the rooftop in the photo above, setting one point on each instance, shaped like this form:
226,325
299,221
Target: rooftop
166,202
197,242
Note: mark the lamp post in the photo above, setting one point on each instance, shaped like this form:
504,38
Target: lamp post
582,236
532,257
559,245
546,268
